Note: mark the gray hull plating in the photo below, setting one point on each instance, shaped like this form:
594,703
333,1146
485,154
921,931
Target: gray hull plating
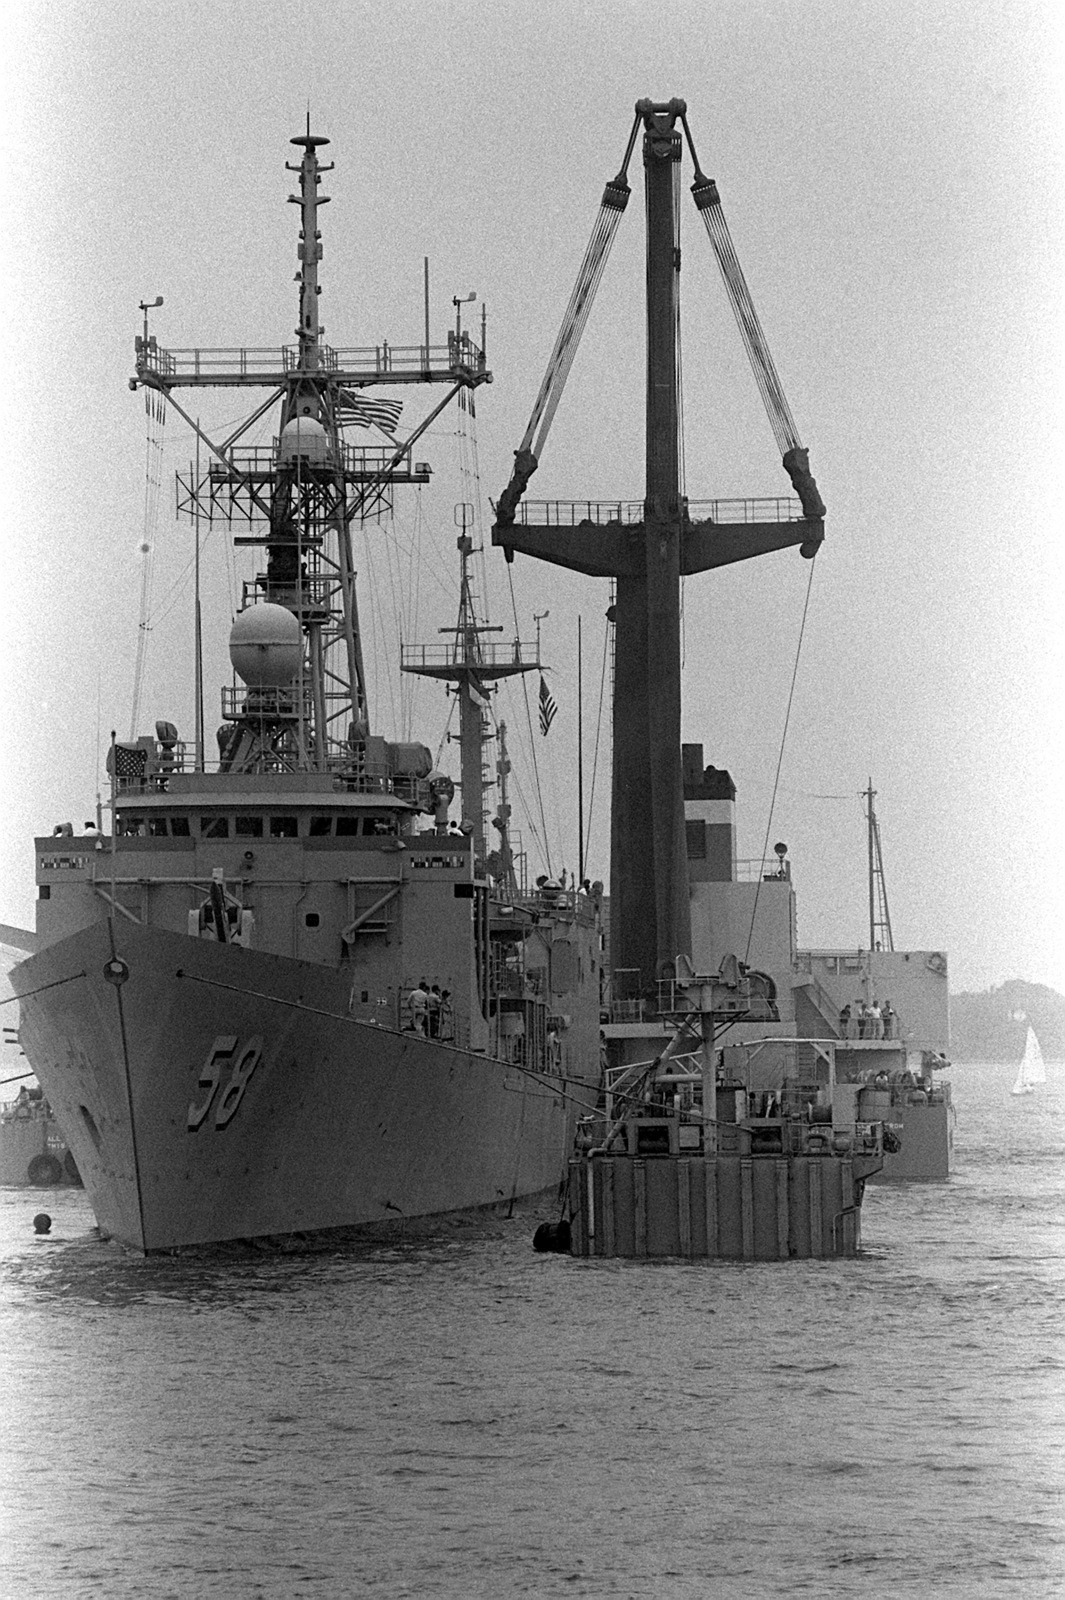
215,1093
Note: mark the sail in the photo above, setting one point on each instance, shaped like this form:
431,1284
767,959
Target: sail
1032,1070
1034,1067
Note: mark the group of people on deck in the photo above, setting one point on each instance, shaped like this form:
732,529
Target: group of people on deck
868,1021
430,1010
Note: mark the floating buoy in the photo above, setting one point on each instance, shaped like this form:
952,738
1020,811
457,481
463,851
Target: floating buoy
42,1222
553,1236
44,1171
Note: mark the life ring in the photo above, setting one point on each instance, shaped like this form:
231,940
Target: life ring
44,1171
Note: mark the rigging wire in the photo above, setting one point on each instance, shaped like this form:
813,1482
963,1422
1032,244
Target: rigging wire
545,843
155,410
598,727
780,759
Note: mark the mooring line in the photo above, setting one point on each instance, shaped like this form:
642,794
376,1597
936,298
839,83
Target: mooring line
545,1080
31,992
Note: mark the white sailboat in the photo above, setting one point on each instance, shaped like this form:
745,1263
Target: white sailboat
1032,1070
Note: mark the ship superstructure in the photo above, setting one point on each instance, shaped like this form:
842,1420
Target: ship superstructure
283,996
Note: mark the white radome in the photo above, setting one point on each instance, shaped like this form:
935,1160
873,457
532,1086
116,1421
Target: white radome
266,646
302,438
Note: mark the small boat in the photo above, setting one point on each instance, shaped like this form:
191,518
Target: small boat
1032,1071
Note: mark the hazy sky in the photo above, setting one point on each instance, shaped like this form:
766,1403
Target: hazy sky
892,176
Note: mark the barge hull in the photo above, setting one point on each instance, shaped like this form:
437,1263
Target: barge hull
760,1208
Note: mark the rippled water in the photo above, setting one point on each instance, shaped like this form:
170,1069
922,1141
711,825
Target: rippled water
454,1415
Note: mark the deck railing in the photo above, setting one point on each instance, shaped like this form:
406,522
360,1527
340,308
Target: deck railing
625,513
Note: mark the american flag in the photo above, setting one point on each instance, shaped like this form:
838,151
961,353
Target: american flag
130,760
367,411
548,708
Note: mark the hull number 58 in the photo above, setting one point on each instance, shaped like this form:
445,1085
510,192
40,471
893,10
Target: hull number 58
225,1054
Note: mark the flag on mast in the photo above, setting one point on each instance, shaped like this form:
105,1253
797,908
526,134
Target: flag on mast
548,708
367,411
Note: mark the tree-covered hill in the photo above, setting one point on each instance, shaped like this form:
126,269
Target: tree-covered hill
992,1026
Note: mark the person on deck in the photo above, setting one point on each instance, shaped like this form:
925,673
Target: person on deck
419,1004
432,1011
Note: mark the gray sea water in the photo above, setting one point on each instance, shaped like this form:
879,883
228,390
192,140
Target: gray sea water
454,1415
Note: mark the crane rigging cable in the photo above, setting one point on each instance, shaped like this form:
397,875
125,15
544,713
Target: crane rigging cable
796,459
780,759
527,457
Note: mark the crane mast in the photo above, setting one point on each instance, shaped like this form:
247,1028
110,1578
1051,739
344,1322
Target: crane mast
647,546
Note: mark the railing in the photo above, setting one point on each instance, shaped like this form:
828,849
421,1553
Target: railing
302,594
770,508
348,776
381,361
262,461
273,705
522,653
767,871
626,513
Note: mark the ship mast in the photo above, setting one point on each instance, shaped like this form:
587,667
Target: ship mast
299,498
474,667
879,916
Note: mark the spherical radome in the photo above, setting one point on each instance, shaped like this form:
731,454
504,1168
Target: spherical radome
303,438
266,646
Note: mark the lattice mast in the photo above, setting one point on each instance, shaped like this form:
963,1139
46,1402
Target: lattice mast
474,666
299,498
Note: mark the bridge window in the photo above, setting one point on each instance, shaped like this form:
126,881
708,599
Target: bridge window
157,828
214,827
179,827
696,833
131,827
284,827
347,826
321,827
250,827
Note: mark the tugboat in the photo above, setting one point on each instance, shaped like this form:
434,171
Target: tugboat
692,1155
288,993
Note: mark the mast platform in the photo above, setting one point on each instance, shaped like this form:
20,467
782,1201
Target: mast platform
459,360
605,538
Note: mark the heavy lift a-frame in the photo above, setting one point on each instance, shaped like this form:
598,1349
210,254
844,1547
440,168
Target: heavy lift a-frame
648,547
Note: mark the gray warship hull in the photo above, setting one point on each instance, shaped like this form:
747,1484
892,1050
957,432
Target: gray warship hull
211,1093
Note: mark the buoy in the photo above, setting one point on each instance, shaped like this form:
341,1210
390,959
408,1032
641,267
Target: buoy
42,1222
552,1236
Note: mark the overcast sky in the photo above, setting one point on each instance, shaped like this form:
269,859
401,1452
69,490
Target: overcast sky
892,177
